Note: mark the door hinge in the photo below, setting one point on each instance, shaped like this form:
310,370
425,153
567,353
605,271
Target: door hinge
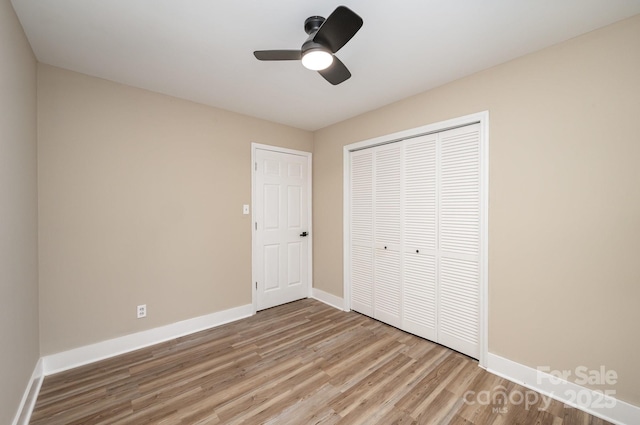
256,164
256,286
256,225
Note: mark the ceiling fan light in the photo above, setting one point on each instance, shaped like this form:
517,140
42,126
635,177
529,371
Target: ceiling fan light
317,59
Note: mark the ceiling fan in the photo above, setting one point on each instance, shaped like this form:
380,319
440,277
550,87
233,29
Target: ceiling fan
326,37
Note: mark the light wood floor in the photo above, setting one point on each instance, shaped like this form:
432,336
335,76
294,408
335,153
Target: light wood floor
300,363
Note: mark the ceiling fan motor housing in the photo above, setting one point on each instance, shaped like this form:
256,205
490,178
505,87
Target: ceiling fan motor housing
312,24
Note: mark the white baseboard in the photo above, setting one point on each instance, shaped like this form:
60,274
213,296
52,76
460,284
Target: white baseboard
28,402
327,298
588,400
66,360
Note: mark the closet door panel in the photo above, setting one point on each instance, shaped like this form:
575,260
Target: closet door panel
387,231
459,240
419,237
362,231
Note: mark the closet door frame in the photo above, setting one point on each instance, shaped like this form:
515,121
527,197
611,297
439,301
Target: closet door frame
481,118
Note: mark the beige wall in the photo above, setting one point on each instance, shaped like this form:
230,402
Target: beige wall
140,202
18,214
564,214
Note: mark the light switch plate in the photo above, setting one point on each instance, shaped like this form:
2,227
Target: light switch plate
245,209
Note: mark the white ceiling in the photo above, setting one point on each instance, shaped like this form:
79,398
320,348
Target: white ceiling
201,50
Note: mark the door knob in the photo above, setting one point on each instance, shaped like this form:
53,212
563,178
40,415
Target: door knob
303,234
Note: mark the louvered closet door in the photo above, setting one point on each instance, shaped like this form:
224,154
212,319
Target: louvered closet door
362,231
415,236
420,237
387,258
459,240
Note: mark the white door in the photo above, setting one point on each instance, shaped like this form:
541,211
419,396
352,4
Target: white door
459,240
281,227
415,236
387,233
362,231
420,230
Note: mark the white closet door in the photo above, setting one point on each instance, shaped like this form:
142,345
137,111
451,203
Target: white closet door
387,254
362,231
415,236
459,240
420,233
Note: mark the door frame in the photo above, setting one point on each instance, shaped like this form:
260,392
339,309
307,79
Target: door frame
254,247
481,118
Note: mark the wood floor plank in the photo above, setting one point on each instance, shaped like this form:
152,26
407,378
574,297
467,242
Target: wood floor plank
310,409
426,404
299,363
361,399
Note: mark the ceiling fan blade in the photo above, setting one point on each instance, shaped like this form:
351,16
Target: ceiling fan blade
338,29
278,55
336,73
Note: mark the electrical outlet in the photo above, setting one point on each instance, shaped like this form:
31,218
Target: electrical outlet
142,311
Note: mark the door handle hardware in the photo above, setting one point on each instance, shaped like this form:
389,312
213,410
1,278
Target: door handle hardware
304,234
